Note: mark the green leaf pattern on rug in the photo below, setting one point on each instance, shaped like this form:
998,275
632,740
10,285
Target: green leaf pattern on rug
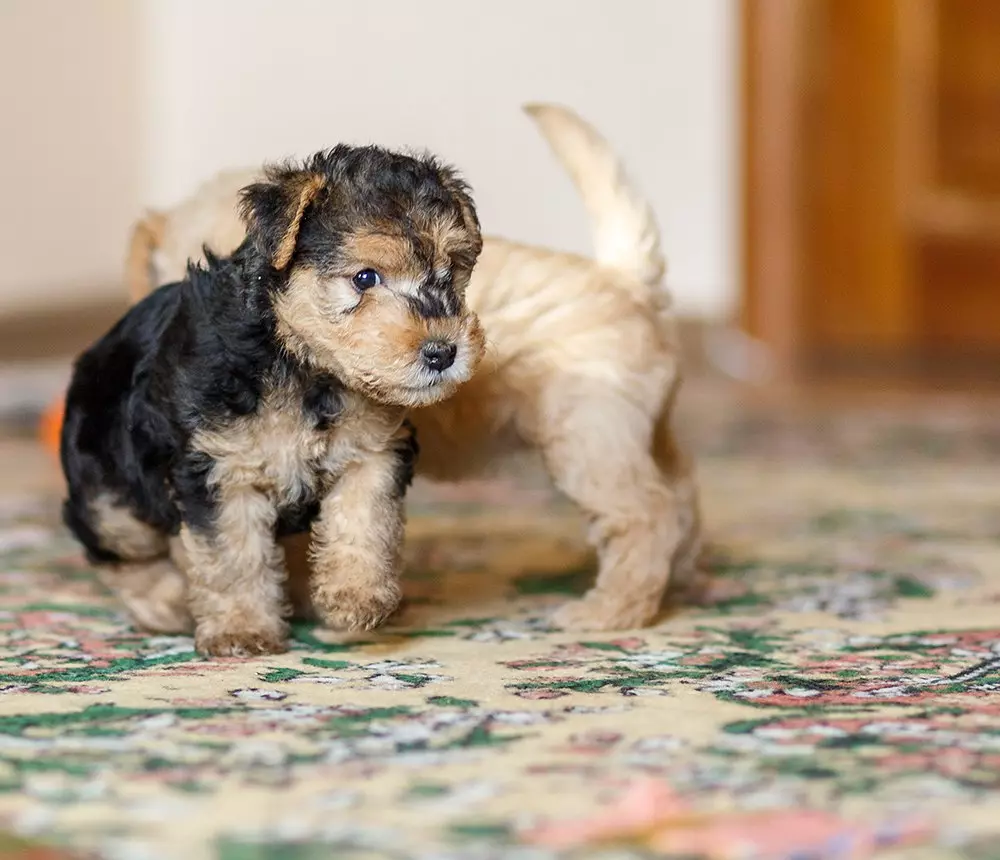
845,655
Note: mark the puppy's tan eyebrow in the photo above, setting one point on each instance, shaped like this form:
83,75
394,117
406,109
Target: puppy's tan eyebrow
382,250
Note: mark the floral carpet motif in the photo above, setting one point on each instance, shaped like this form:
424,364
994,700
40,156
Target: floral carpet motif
843,660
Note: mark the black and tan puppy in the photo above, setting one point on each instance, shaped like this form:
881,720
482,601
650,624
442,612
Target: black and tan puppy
585,368
267,393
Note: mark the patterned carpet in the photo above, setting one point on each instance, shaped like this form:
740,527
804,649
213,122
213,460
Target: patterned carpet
834,691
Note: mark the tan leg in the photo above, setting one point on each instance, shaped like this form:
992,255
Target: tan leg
154,592
598,449
236,578
677,468
148,583
357,546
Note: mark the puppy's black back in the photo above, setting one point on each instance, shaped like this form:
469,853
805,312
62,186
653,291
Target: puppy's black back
191,355
115,443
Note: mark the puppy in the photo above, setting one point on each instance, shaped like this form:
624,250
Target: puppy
584,367
267,393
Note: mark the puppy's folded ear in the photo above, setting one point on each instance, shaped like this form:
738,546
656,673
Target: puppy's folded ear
273,209
459,188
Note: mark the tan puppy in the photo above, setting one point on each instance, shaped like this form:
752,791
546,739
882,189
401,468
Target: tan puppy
583,366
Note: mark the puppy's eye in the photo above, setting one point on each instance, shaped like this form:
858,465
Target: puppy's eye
366,279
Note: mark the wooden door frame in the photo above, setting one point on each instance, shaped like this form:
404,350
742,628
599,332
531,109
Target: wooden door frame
898,198
771,109
784,207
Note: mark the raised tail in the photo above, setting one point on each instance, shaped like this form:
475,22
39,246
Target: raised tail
147,235
622,224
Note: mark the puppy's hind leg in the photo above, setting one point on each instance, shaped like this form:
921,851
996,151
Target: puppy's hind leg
597,445
133,563
677,468
154,592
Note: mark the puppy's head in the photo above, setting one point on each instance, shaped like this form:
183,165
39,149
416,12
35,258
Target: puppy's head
368,255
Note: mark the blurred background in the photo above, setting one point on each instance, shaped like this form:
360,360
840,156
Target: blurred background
826,172
871,220
111,105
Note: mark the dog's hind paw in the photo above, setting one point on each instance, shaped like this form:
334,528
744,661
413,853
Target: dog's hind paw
597,612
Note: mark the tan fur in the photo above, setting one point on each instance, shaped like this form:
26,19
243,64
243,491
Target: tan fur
150,584
393,252
154,593
311,186
584,372
583,365
357,541
148,234
211,217
624,230
124,535
375,348
230,587
236,580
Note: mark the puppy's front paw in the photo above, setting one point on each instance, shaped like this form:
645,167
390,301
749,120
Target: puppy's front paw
350,607
596,612
239,643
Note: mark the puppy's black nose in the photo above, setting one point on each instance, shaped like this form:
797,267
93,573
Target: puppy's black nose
438,355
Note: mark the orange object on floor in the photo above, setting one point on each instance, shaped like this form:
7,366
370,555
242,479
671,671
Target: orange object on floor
50,427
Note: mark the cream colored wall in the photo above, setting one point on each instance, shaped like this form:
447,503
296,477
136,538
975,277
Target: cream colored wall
232,82
69,157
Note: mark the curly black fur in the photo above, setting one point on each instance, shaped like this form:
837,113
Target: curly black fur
198,354
364,183
192,355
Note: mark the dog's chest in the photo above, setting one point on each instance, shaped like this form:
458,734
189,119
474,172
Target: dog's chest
289,449
298,442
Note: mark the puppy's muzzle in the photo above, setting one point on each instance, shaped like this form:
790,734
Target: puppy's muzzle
438,355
